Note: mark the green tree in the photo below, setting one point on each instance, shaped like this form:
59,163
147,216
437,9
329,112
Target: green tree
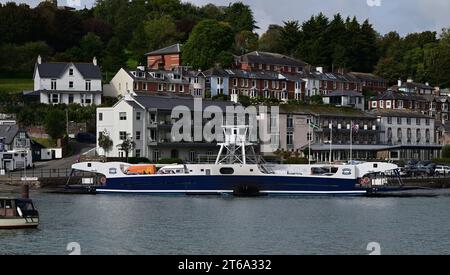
55,124
446,151
245,41
240,17
105,142
127,146
271,40
209,39
91,45
291,36
115,57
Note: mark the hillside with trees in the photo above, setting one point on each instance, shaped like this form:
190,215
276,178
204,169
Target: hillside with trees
120,32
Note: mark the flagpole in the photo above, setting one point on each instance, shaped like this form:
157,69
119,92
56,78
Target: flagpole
309,141
331,141
351,141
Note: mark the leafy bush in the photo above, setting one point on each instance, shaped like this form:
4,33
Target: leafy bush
170,161
295,160
446,151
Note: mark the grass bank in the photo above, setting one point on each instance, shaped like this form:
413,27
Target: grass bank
15,85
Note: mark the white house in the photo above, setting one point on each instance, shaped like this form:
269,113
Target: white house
67,83
147,120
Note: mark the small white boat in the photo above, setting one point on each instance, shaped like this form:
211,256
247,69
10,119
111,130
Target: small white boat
18,214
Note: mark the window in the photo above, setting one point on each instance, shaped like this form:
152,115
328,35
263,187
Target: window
266,84
374,104
254,83
88,85
399,120
123,135
418,135
88,99
138,135
54,98
138,115
160,87
235,82
284,85
381,104
389,135
156,155
389,120
123,116
219,81
100,116
408,121
290,121
290,139
417,121
427,122
71,84
53,84
144,86
181,89
71,72
409,135
192,156
399,134
171,87
227,171
388,104
138,153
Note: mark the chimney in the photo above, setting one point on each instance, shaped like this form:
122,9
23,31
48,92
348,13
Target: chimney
94,61
319,69
39,59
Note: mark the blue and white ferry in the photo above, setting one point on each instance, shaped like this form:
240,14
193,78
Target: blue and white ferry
232,174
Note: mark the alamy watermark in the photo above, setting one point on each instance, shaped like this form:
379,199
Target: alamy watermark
206,124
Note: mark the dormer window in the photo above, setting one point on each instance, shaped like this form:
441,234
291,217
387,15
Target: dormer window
71,72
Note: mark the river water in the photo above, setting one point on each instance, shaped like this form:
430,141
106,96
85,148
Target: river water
142,224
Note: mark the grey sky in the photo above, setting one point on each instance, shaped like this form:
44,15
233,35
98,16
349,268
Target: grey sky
404,16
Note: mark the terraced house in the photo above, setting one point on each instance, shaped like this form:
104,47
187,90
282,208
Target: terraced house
152,82
267,84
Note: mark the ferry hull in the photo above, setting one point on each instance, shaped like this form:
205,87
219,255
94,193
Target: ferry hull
263,185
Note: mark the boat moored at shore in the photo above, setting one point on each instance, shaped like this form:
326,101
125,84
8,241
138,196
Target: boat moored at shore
18,214
233,174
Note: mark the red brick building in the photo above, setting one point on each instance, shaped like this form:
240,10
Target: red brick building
166,58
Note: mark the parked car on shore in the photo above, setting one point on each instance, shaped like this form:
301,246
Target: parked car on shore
442,170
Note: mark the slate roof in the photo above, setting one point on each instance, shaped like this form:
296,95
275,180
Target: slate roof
390,95
367,77
166,76
398,113
176,48
170,102
56,70
8,132
344,93
271,59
